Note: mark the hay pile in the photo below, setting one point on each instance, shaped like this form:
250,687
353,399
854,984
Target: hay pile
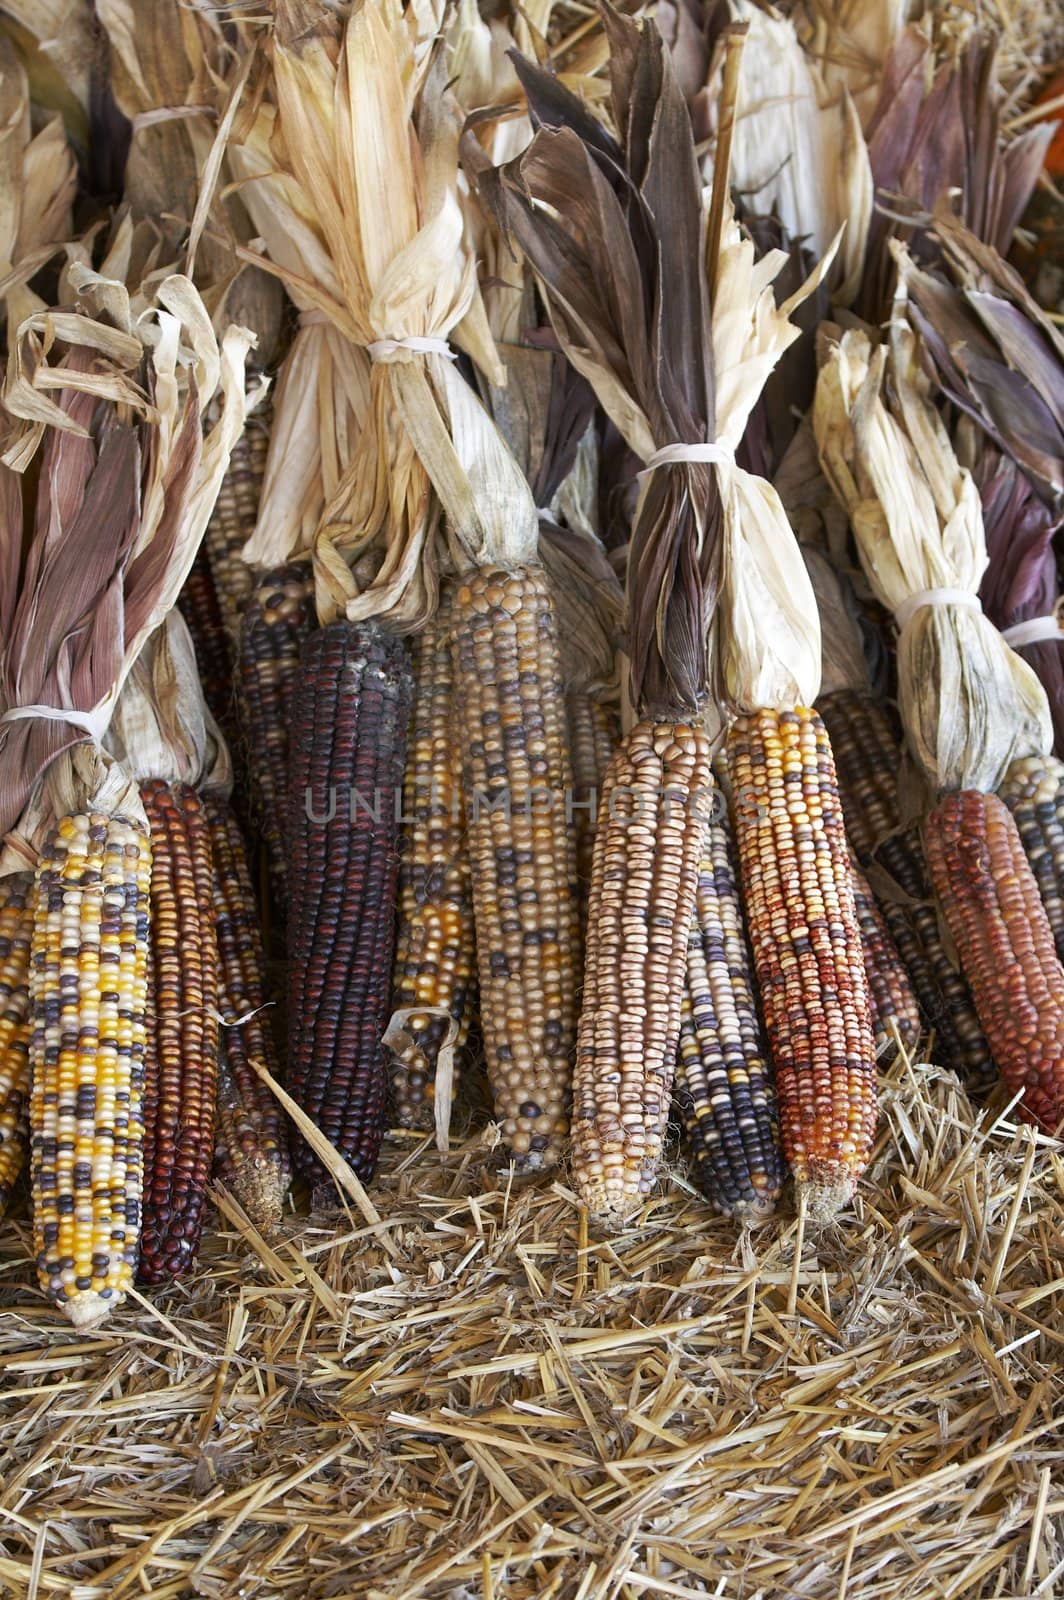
477,1400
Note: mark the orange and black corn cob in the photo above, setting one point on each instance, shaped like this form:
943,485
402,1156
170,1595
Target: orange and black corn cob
1033,790
511,709
181,1071
251,1138
435,955
88,983
16,934
199,606
277,620
723,1083
868,754
594,734
644,877
348,748
233,521
999,925
895,1013
808,957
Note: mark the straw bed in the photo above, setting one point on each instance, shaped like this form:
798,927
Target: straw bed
496,1405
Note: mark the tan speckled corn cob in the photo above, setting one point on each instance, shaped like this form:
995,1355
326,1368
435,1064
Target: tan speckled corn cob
16,933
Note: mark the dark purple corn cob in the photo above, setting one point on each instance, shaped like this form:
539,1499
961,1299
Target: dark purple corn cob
348,749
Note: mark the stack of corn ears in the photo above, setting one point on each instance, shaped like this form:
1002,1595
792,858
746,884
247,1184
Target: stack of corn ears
108,401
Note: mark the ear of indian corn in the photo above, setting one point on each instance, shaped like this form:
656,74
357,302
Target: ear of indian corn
233,521
644,878
895,1013
277,620
348,747
868,755
807,948
594,734
434,988
251,1138
181,1070
996,917
1033,790
88,986
723,1083
199,606
511,708
16,933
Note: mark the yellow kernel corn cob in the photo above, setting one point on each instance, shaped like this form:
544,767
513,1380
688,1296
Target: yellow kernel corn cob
88,985
867,749
435,958
999,925
807,948
723,1084
16,933
1033,790
511,708
895,1013
644,877
594,734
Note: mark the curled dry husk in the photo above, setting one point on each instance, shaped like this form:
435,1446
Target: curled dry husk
969,704
38,176
616,235
174,74
161,727
798,153
935,143
56,40
998,356
113,396
366,130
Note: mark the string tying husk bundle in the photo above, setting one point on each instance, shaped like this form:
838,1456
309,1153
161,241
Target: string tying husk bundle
970,705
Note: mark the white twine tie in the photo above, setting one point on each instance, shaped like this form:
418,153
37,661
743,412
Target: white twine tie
1036,630
388,349
95,722
905,613
671,455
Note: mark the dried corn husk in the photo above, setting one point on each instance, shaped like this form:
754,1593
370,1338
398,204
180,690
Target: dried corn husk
366,129
998,356
798,153
55,40
128,478
969,704
851,40
843,662
161,727
38,176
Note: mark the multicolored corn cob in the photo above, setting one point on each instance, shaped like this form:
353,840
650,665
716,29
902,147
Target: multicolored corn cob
16,934
644,879
868,754
435,958
348,749
511,708
723,1083
181,1070
232,522
88,986
807,948
251,1138
895,1013
278,618
1033,790
198,604
594,734
999,924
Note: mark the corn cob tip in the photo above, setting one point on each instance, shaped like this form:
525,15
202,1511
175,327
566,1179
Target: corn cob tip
88,1309
752,1213
260,1187
826,1188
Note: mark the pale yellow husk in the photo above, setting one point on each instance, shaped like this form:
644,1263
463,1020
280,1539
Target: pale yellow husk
851,40
969,704
161,727
38,176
